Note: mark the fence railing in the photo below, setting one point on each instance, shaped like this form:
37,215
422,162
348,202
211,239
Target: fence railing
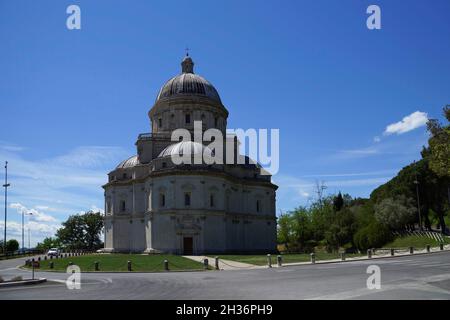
20,253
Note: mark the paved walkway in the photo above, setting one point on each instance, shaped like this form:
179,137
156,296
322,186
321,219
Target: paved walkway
235,265
225,264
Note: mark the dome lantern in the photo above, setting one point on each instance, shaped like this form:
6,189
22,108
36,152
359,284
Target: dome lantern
187,65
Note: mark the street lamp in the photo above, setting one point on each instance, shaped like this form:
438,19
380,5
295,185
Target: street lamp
23,237
416,182
6,185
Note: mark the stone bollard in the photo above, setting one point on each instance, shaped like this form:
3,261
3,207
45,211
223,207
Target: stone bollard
269,260
166,265
45,257
216,262
411,250
205,264
51,265
129,265
441,246
369,254
343,256
96,266
313,257
392,252
279,261
428,248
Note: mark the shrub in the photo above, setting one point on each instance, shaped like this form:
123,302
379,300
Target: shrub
375,235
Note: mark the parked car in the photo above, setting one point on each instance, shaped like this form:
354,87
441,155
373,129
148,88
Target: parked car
53,252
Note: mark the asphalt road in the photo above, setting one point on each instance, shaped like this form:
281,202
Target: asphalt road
410,277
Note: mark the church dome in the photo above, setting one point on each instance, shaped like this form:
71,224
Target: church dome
128,163
183,148
188,83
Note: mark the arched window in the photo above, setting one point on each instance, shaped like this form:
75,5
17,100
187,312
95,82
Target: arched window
123,205
187,198
162,200
212,200
258,205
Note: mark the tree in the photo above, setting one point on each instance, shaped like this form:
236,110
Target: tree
93,225
81,231
284,229
439,145
338,202
438,156
48,243
374,235
302,229
12,245
396,213
341,229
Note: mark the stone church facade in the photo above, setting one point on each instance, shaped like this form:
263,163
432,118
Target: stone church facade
153,205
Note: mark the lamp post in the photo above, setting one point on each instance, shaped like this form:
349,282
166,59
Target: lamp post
416,182
6,185
23,236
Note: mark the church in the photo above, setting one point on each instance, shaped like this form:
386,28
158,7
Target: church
156,205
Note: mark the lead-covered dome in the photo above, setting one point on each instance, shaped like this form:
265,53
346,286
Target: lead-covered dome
184,148
128,163
188,83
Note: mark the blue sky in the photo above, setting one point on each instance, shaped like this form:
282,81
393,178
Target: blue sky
73,102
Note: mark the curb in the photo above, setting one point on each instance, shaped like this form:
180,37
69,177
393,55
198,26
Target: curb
128,272
22,283
359,259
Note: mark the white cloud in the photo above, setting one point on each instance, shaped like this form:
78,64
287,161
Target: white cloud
87,157
304,194
33,213
413,121
376,139
54,188
37,231
354,153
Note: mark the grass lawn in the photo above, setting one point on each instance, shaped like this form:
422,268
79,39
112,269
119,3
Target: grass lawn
118,262
414,241
261,260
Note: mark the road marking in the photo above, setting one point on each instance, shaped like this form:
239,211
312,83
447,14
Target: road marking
13,268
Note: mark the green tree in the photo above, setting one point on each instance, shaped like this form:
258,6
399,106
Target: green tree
438,156
321,213
284,229
12,245
396,213
374,235
302,228
338,202
341,229
439,145
93,225
48,243
81,231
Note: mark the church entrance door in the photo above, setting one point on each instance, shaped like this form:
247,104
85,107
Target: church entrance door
188,246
